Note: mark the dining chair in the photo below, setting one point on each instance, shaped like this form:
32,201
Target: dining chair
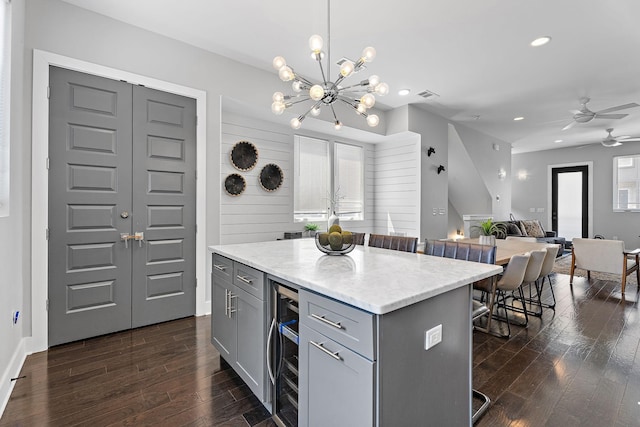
522,239
398,243
511,281
358,238
547,268
531,275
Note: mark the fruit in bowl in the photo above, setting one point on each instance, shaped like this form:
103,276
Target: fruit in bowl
335,241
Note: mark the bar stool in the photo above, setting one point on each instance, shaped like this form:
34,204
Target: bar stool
479,310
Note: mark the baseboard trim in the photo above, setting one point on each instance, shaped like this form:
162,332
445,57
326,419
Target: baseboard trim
12,371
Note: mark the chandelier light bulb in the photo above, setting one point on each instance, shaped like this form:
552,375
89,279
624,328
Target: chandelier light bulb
368,54
296,86
337,125
279,62
368,100
373,120
315,111
374,80
278,97
361,108
316,92
277,108
315,43
346,68
382,89
286,74
296,123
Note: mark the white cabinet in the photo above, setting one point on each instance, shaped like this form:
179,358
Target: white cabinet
238,322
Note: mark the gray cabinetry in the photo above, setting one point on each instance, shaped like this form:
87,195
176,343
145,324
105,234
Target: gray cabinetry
238,323
336,363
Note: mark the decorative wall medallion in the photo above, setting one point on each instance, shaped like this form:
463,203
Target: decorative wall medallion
234,184
244,156
271,177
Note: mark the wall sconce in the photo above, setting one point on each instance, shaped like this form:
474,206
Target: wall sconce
502,174
430,151
440,169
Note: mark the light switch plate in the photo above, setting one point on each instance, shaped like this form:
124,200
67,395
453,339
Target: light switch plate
432,337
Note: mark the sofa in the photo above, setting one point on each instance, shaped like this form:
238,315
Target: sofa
530,228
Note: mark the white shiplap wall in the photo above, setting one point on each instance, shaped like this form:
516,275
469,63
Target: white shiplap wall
397,187
257,215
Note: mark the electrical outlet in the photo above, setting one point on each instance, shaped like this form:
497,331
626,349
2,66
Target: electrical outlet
432,337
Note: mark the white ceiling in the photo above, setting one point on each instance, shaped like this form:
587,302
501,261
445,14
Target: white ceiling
474,54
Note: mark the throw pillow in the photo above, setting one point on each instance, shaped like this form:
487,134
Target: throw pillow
532,228
513,229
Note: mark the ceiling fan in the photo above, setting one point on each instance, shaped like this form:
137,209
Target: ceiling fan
584,115
614,141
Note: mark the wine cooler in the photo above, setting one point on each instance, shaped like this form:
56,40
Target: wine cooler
282,353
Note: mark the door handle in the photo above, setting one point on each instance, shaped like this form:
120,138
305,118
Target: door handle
126,237
139,237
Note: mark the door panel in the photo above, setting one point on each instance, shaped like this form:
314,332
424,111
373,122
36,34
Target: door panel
116,148
164,206
89,185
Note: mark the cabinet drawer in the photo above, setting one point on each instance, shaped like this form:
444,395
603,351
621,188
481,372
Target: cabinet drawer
249,279
347,325
222,267
336,384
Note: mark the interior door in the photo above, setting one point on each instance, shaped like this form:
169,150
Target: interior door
570,201
121,162
164,176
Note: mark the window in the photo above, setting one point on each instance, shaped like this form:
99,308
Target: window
5,71
626,183
324,172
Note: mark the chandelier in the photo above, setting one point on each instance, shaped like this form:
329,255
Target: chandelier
327,93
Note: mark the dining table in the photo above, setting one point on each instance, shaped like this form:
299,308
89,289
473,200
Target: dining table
505,249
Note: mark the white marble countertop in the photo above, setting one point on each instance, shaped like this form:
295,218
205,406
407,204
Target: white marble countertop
373,279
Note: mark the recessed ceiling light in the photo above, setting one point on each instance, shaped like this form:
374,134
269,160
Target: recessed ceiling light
541,41
404,92
517,119
557,141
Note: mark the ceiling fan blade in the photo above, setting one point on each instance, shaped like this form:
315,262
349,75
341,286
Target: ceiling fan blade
618,108
574,112
634,139
610,116
570,125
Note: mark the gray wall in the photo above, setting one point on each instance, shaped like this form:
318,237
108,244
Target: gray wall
14,229
532,192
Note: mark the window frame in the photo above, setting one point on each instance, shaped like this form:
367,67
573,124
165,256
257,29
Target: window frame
332,182
635,165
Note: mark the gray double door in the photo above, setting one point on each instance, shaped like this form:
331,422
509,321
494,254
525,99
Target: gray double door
122,185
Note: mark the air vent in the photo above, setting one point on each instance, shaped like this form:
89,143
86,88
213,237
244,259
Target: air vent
427,94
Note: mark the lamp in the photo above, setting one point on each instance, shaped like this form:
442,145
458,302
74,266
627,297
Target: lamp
326,93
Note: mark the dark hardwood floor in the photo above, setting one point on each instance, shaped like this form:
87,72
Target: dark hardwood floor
577,366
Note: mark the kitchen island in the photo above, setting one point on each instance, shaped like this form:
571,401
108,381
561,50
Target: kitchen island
380,303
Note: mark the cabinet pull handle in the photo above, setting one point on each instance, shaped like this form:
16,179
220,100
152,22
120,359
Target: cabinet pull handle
269,369
244,279
226,302
320,347
231,309
220,267
336,325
